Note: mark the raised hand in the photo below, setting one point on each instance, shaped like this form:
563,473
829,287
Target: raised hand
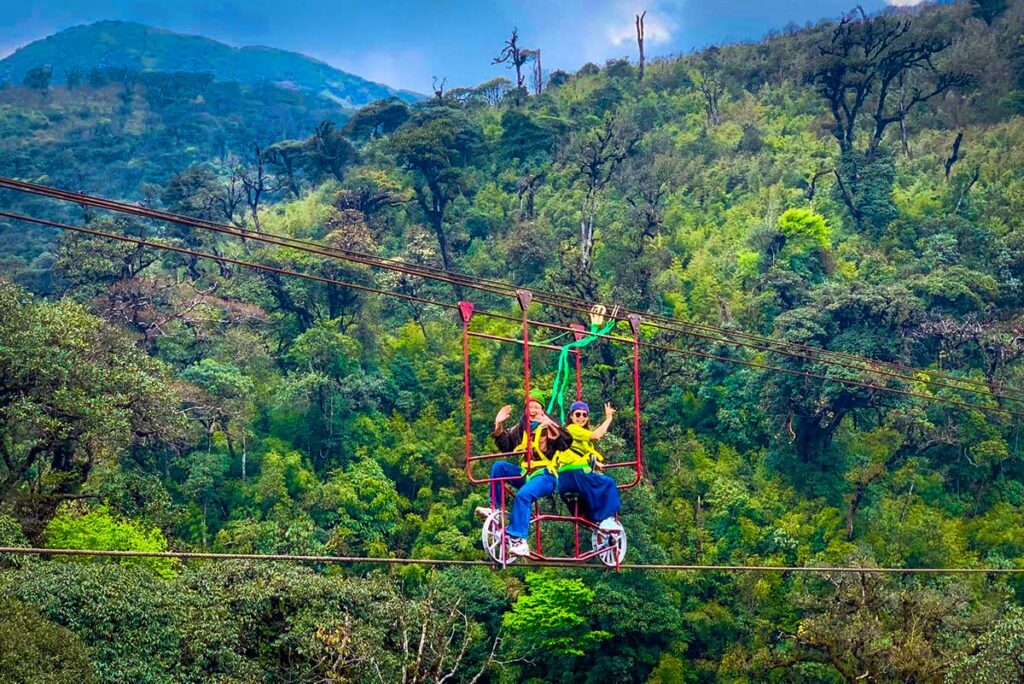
609,412
546,420
503,413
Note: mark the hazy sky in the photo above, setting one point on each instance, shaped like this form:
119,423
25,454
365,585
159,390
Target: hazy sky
403,43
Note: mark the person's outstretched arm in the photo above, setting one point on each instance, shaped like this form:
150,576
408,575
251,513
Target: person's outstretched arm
502,438
558,437
600,430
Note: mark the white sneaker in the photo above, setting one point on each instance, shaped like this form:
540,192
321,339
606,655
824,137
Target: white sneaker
518,547
483,511
610,525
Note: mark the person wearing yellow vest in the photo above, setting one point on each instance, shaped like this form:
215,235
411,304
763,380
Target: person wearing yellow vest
576,464
533,480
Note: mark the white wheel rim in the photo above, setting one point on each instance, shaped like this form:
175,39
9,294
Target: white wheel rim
492,535
615,540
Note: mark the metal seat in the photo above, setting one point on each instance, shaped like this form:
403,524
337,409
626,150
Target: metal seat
572,502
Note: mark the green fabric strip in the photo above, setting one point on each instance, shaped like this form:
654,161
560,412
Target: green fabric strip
564,371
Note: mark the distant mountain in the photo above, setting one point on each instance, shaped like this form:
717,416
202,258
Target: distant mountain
116,44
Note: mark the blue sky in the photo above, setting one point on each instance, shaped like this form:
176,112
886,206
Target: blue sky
403,43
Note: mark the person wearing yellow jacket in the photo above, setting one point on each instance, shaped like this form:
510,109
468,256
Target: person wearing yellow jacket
533,480
576,464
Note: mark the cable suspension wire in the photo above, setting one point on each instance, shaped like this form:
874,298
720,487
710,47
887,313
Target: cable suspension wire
724,336
668,325
422,300
244,233
504,289
645,567
229,260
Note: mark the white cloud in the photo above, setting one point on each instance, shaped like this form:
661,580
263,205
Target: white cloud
621,28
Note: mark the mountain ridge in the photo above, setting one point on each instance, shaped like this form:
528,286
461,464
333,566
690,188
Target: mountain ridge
145,48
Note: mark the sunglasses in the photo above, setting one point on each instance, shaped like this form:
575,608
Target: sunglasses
580,414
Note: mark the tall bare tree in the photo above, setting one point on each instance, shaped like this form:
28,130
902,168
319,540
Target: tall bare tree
640,43
597,157
438,87
872,72
862,63
513,55
708,80
257,181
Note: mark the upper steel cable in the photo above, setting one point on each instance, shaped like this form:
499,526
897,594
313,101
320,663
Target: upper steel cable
651,345
556,300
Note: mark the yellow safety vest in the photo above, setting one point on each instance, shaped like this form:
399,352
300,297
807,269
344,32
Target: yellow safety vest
577,457
539,462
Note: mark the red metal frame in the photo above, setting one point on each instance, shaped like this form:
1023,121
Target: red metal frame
537,519
634,325
524,298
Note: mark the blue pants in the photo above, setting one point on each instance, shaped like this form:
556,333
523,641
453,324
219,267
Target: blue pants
537,487
600,493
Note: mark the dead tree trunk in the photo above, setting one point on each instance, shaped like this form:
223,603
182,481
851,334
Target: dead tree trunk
254,182
516,56
955,157
538,74
904,141
640,42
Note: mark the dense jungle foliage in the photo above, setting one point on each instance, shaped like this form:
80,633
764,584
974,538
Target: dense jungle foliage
124,134
857,186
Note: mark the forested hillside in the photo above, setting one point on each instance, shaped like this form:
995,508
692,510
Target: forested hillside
118,109
69,56
855,186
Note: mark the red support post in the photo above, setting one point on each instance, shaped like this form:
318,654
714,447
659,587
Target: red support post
576,527
525,297
465,314
536,527
634,324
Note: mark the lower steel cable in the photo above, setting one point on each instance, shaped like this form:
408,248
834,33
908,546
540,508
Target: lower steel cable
642,567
